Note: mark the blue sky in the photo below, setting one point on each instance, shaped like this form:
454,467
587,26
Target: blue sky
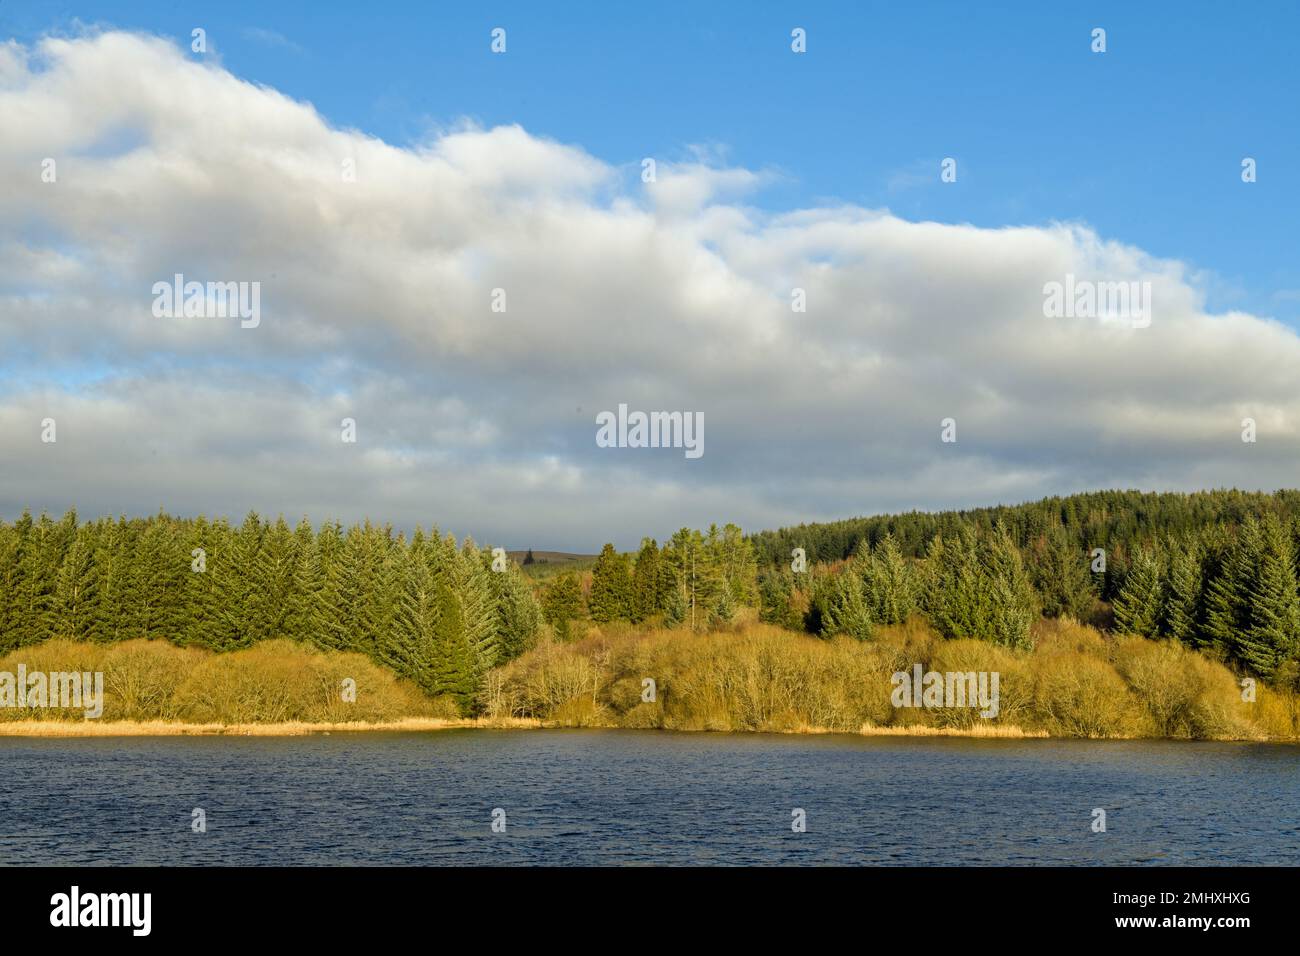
477,172
1143,142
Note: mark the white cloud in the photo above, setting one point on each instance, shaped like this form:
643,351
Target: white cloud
376,305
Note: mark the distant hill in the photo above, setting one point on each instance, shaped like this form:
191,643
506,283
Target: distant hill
550,557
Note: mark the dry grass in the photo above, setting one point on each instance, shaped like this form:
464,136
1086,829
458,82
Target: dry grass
275,682
164,728
754,677
748,677
977,730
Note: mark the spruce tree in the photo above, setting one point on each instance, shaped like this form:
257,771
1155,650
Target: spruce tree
1061,575
274,578
113,550
455,667
473,588
1273,614
1227,605
412,645
518,614
1140,601
1182,594
611,587
302,603
562,604
75,592
889,583
1013,600
645,581
843,607
155,582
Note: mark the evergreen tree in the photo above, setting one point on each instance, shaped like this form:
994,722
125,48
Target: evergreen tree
1227,607
562,604
155,583
611,587
113,549
1273,616
274,578
1061,574
303,618
415,645
645,581
75,592
472,587
1139,603
455,667
517,612
843,608
1182,594
1013,599
889,583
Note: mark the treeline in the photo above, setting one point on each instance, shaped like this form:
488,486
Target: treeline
424,606
697,579
1118,521
1227,590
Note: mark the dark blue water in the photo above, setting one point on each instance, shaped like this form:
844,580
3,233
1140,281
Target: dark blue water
600,797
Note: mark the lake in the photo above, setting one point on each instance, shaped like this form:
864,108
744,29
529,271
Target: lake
576,797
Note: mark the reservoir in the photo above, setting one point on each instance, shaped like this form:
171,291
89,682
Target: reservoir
579,797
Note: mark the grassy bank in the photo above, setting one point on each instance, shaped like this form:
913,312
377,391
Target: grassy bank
273,683
165,728
1075,682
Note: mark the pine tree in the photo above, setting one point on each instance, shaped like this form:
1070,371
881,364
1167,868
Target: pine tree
455,668
37,567
274,578
1061,575
733,555
562,604
844,608
1013,600
10,546
1182,594
241,618
956,600
518,614
1139,603
471,582
889,583
645,581
776,604
75,592
1273,615
155,582
113,550
303,602
1227,604
412,645
611,587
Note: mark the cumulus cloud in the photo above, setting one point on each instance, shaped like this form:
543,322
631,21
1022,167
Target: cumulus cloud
377,291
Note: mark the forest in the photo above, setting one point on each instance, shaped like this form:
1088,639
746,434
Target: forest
1215,571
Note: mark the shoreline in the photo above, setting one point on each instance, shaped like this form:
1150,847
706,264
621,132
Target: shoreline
160,728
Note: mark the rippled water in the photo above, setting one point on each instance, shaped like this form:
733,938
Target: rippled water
597,797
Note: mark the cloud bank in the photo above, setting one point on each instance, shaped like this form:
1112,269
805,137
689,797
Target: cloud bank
378,266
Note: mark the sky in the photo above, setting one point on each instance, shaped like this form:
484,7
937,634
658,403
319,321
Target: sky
522,171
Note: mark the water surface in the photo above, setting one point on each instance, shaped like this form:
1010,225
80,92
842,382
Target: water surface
627,797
